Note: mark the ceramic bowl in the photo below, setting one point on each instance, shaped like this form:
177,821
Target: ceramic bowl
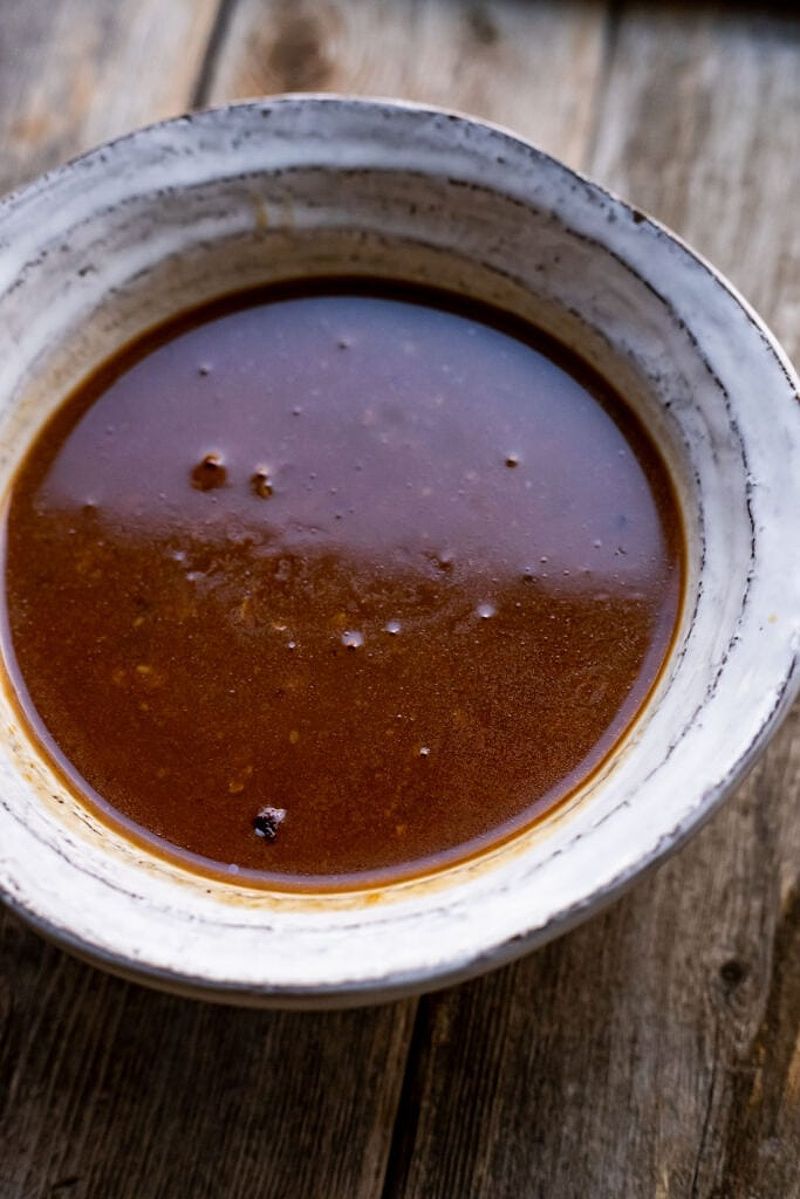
106,246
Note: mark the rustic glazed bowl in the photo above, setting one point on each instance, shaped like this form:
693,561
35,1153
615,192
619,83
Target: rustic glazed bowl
106,246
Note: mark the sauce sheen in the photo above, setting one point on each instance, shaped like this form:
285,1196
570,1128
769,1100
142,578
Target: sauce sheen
337,583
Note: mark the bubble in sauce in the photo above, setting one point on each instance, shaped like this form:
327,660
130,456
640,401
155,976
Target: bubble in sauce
210,472
261,483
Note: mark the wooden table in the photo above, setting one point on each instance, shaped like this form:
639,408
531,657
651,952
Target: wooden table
655,1051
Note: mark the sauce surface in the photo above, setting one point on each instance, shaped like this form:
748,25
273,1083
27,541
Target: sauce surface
336,583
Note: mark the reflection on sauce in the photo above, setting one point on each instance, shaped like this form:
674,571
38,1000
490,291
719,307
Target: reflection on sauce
337,582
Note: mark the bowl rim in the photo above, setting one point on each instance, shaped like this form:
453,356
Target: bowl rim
430,975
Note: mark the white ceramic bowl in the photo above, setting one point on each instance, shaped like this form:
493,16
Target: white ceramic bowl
111,243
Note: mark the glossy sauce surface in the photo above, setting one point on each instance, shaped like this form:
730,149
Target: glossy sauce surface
337,583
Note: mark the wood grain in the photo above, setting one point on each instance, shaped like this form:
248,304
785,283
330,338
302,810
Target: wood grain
700,124
533,66
655,1051
112,1090
75,72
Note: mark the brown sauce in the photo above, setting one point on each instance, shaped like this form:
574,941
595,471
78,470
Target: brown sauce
338,582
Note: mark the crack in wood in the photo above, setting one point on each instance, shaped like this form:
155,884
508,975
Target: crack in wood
220,30
764,1097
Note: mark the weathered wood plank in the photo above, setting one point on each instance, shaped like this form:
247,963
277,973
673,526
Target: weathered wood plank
112,1090
656,1051
700,125
532,66
75,72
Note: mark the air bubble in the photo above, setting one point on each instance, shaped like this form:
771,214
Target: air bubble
443,561
352,639
209,473
261,483
393,627
485,611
